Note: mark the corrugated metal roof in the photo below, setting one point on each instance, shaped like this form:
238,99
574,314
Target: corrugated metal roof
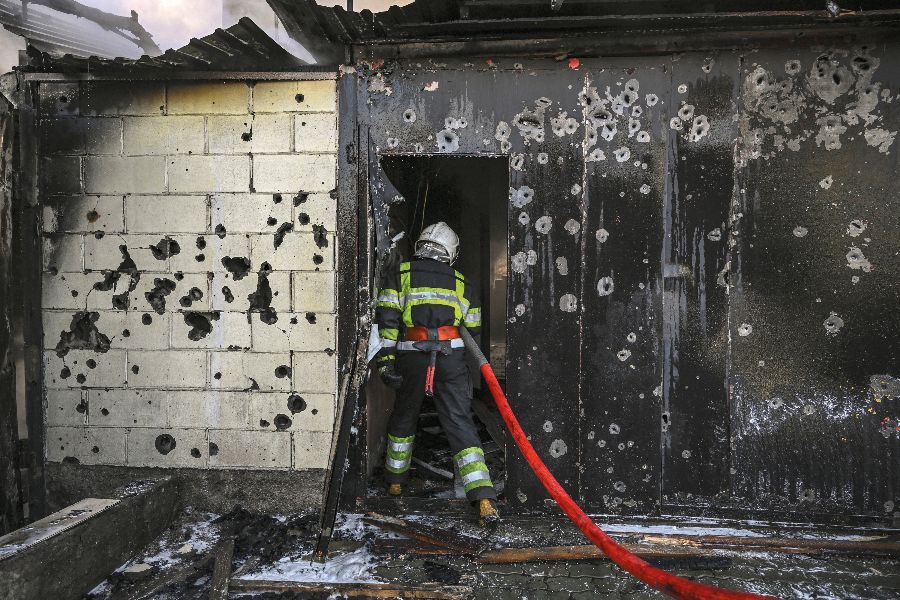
53,29
241,47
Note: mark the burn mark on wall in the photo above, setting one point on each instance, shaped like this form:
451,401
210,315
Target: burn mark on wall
165,248
156,297
165,443
82,335
238,266
200,323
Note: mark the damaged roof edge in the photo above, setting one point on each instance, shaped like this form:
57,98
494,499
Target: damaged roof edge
243,47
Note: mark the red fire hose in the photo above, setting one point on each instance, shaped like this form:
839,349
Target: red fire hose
671,585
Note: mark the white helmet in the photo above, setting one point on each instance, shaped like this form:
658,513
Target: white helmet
439,242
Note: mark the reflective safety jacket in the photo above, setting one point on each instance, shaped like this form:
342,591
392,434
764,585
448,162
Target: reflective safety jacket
423,293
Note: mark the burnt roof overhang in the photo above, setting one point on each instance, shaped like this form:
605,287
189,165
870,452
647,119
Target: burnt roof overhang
575,27
241,47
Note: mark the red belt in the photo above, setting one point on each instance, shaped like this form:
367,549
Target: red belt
420,334
426,334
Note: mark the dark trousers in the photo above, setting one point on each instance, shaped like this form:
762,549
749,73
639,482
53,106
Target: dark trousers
453,401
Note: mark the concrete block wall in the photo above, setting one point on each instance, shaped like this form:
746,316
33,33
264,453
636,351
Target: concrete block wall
189,273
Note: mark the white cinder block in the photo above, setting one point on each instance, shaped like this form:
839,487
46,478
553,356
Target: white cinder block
166,214
290,173
194,259
87,445
63,252
239,291
209,408
127,408
164,369
250,449
84,213
213,173
315,412
250,213
124,174
315,133
66,408
250,370
61,175
228,330
295,96
293,331
106,253
142,333
135,98
297,252
311,449
188,286
84,368
103,136
164,135
66,290
108,323
315,209
315,372
313,291
166,447
208,98
249,133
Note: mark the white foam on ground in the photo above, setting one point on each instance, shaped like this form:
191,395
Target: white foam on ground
354,567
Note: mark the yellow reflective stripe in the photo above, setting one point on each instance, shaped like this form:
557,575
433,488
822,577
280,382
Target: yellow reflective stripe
385,358
473,317
389,333
404,291
461,295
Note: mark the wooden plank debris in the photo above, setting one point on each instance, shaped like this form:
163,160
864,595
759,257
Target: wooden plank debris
573,553
150,588
781,545
222,570
434,536
355,590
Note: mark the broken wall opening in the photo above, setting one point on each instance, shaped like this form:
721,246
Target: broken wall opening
470,194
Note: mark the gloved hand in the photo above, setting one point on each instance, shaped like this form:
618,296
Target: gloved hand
391,377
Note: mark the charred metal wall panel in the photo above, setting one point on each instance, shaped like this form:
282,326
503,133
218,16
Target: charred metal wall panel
702,296
814,317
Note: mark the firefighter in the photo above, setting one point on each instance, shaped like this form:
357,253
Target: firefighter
419,309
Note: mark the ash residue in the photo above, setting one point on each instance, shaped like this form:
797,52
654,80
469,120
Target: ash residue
265,536
82,335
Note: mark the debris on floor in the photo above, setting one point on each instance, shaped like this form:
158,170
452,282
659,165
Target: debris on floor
445,557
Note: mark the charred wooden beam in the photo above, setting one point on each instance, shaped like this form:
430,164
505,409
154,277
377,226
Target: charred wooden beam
434,536
355,590
878,546
221,576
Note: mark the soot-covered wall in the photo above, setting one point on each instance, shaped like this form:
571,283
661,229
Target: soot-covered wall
703,266
189,267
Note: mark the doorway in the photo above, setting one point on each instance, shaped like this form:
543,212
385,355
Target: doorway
470,194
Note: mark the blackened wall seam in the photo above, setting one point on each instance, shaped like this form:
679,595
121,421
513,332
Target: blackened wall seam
10,494
29,248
